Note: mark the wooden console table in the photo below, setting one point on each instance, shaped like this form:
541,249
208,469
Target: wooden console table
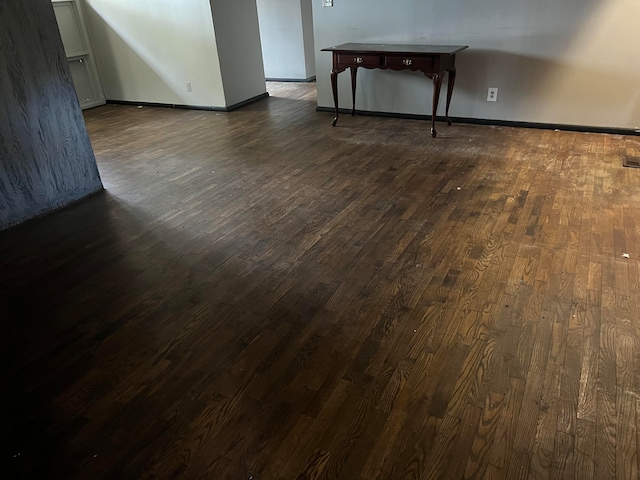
432,60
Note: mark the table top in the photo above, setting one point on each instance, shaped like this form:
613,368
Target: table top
396,48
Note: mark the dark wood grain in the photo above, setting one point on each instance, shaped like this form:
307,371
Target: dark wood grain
257,295
46,159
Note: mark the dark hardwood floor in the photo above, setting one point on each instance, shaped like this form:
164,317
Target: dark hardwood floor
258,295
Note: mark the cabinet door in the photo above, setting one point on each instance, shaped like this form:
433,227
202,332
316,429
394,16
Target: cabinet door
79,54
84,81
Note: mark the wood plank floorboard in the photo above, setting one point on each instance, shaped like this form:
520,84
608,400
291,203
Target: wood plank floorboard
258,295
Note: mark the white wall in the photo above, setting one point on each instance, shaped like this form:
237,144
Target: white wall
572,62
239,50
286,32
147,51
307,38
281,37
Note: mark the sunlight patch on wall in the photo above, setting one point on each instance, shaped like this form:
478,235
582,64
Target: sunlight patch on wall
159,51
598,70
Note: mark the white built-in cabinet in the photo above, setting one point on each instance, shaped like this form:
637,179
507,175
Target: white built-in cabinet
79,53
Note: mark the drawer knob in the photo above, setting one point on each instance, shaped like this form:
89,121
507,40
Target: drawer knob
358,60
407,61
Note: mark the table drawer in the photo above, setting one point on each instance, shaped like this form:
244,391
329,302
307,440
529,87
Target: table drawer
359,60
408,62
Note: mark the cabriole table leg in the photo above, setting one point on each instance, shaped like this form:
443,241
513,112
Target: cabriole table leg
437,83
334,87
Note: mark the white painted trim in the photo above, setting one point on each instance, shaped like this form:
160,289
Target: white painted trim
87,54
